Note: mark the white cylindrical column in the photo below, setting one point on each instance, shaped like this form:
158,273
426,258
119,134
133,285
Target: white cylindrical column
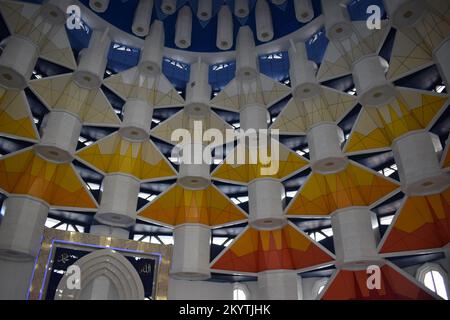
405,13
137,119
22,227
264,23
54,11
265,206
109,231
247,67
278,285
168,6
93,60
183,28
369,75
191,252
304,11
60,131
99,6
198,90
418,165
142,17
17,62
355,236
337,20
241,8
324,141
204,10
254,117
118,200
302,73
224,39
194,172
152,52
441,57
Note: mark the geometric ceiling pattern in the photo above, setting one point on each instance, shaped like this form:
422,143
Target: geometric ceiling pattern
299,116
178,205
238,94
59,185
182,119
340,55
322,194
413,47
25,20
286,248
16,119
114,154
377,128
394,285
422,222
62,93
157,91
254,166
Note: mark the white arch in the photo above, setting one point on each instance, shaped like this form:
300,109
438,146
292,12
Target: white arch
104,263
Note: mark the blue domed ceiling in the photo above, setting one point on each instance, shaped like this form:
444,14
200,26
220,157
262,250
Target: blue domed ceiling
120,13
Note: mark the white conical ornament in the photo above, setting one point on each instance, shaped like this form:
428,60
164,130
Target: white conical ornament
99,6
264,24
304,11
142,17
224,40
183,28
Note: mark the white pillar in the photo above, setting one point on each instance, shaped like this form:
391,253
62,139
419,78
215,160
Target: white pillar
264,24
142,17
109,231
22,227
99,6
183,28
247,67
152,52
441,57
405,13
302,73
169,6
198,90
194,172
418,165
278,285
59,136
254,116
355,236
224,38
241,8
204,10
191,252
137,119
324,141
118,200
93,60
304,11
17,62
369,74
20,241
265,205
337,20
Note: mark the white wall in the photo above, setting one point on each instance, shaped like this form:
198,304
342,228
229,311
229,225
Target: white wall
199,290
